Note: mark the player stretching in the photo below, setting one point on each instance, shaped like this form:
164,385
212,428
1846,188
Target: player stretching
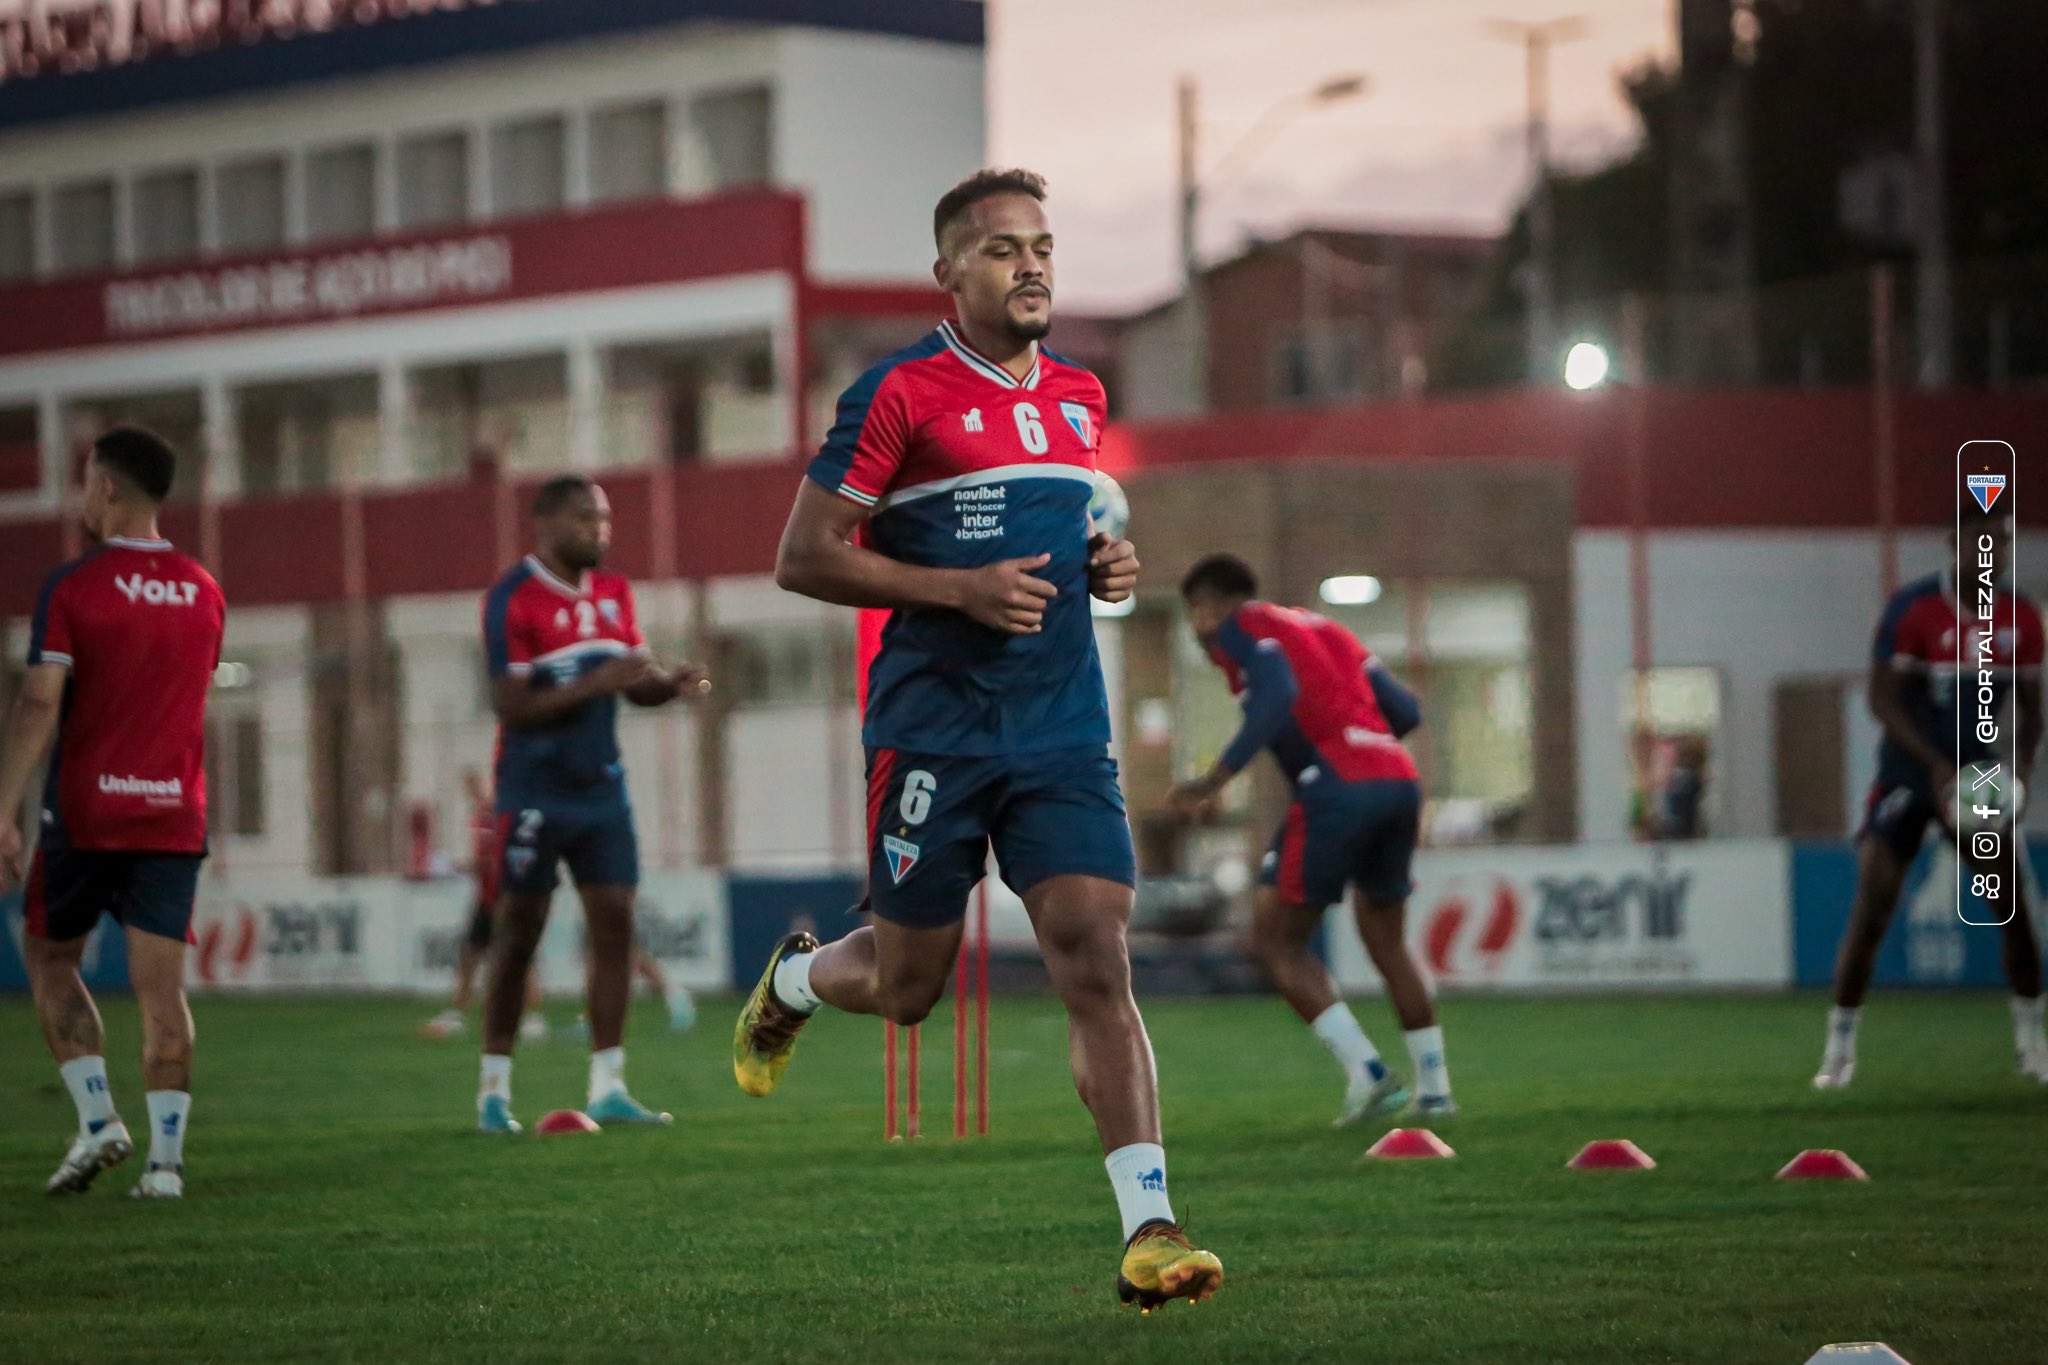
121,651
483,866
970,456
563,645
1333,717
1912,693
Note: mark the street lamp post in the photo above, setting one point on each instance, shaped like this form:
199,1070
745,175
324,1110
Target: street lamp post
1191,183
1536,40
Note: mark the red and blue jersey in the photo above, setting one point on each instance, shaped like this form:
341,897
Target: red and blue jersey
139,627
549,632
962,465
1923,633
1315,696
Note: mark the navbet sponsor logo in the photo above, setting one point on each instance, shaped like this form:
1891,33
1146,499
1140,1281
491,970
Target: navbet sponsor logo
148,788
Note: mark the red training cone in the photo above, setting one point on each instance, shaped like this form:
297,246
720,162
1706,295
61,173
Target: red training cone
566,1121
1858,1352
1822,1163
1409,1144
1611,1154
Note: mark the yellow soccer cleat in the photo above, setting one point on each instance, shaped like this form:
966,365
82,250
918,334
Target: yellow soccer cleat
766,1032
1160,1264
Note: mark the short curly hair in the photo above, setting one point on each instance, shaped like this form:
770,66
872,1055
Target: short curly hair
984,184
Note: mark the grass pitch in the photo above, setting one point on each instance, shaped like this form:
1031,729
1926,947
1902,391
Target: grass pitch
340,1209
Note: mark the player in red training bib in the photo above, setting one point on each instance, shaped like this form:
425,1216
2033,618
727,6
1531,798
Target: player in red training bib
966,463
121,652
563,644
1913,694
1333,717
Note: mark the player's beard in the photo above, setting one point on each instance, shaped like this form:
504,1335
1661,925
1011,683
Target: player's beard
1027,329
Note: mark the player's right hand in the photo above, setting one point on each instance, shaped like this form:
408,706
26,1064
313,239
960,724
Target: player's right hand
1004,596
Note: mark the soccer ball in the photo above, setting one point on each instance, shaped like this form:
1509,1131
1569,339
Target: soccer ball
1109,511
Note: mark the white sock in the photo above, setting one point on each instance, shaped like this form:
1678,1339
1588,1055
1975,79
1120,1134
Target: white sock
496,1079
607,1072
792,984
1339,1029
1426,1050
169,1111
1842,1020
2026,1023
86,1079
1138,1175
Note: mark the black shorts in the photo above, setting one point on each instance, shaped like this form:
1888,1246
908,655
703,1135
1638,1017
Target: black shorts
69,889
1898,813
1346,833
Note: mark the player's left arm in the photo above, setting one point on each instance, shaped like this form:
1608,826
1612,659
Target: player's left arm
665,684
30,730
1270,690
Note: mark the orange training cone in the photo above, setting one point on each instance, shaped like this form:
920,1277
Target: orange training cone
1822,1163
1611,1154
1409,1144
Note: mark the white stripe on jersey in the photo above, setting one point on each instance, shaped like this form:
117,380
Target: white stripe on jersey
1001,474
986,368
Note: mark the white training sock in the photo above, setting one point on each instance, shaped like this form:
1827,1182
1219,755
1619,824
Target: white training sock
169,1111
1426,1050
86,1079
496,1079
1138,1175
792,983
1341,1033
2026,1023
607,1072
1842,1021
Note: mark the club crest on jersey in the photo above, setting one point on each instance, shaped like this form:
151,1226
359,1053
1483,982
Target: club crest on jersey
1985,488
902,856
1077,418
609,609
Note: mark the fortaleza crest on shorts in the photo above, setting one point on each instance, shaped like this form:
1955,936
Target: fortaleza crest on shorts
902,856
520,860
1077,418
1985,488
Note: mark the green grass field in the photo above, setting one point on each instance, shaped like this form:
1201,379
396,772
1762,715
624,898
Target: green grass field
339,1208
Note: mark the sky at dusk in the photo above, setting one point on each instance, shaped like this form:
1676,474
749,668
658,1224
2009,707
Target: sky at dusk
1082,91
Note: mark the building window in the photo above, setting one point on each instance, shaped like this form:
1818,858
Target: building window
433,180
341,193
788,665
1316,362
629,152
167,216
21,451
526,167
234,766
250,204
738,132
83,230
17,235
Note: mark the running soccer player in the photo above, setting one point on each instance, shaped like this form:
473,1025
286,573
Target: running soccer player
1912,692
121,651
1333,717
563,645
476,943
969,456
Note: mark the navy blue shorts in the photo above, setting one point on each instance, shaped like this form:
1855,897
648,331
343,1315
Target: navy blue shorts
932,817
69,889
1898,813
1346,833
591,832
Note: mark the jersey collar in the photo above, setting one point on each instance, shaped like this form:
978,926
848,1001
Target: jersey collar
983,366
131,543
551,579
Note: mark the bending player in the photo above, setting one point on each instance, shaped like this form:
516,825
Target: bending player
1912,692
970,457
476,943
121,651
1333,717
563,645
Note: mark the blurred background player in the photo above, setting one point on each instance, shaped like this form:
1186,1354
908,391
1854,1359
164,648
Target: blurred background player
1333,717
122,649
563,644
476,942
1912,694
970,457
